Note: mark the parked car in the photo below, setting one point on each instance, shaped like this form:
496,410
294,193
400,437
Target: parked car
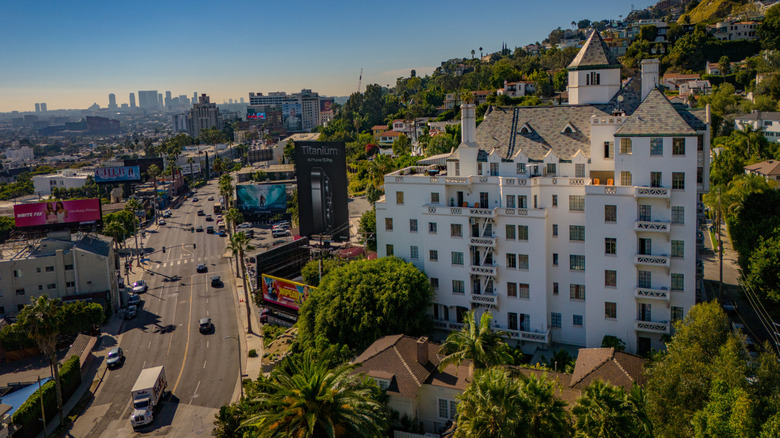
167,213
216,281
134,300
161,221
202,268
244,225
116,358
195,199
130,312
140,286
280,232
209,218
211,198
205,325
264,316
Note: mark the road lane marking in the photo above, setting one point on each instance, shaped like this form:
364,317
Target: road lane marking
207,344
186,346
150,344
144,365
204,364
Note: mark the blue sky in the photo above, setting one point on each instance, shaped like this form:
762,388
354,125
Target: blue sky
71,54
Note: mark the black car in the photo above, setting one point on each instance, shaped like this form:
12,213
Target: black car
205,325
216,281
199,229
202,268
116,358
210,230
130,312
201,213
209,218
133,300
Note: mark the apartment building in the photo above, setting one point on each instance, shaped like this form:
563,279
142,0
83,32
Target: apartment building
63,179
568,223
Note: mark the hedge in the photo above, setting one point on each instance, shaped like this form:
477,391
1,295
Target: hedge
29,413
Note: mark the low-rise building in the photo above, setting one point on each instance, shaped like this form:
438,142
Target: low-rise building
732,30
63,179
768,122
517,89
769,169
22,154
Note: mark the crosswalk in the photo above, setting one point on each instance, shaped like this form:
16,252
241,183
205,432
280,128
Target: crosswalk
152,264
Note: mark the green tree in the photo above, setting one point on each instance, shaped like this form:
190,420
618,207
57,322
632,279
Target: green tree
367,229
292,208
769,29
232,218
41,321
724,65
289,152
311,270
648,33
402,146
763,274
475,342
307,398
80,316
238,244
610,341
605,411
219,165
364,300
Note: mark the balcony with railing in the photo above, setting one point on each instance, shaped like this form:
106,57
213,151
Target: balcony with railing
529,336
652,192
662,327
489,270
652,260
652,226
651,294
487,299
446,325
489,242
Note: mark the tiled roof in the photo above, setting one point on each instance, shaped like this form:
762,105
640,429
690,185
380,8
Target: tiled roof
655,116
376,127
614,367
766,168
97,245
390,134
760,115
679,76
594,53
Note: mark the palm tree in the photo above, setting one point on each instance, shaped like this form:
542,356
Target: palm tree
305,398
233,217
41,322
477,343
604,411
491,406
547,416
219,165
239,243
192,174
154,171
226,189
747,132
472,53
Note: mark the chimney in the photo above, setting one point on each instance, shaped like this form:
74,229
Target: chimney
468,124
650,71
422,351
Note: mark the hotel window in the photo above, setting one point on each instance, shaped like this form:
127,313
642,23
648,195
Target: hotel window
68,267
511,232
655,179
457,168
389,250
511,290
522,232
522,201
555,259
414,252
678,146
18,273
510,201
610,310
521,168
645,212
610,213
577,291
656,147
579,171
678,214
577,262
399,198
433,255
50,269
38,270
457,258
523,290
555,288
554,200
522,261
458,287
448,409
413,225
610,278
555,320
511,261
388,224
678,282
644,279
678,180
577,320
555,230
435,285
70,284
483,200
678,248
456,230
550,169
51,286
699,175
677,313
625,178
625,146
609,149
434,197
577,233
576,203
610,245
20,291
512,320
493,169
700,143
432,227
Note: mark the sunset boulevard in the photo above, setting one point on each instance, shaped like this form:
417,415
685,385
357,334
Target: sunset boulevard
201,369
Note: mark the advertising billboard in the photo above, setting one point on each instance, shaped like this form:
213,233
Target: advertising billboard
283,292
186,169
42,214
292,113
117,174
321,169
326,104
253,114
253,199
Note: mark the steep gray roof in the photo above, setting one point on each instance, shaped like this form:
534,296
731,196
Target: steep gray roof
95,245
631,93
655,116
594,54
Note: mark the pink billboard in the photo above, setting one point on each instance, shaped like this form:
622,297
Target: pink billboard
41,214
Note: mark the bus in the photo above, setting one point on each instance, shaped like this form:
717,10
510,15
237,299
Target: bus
217,208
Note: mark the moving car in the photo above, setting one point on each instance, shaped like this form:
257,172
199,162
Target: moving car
216,281
210,229
199,229
133,300
140,286
201,213
211,198
167,213
116,357
209,218
205,325
161,221
245,225
195,199
202,268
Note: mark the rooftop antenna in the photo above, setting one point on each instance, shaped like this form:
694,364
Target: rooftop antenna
360,80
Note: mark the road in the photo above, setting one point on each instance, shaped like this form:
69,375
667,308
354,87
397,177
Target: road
202,369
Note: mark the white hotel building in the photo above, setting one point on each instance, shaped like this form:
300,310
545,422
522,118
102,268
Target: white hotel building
568,223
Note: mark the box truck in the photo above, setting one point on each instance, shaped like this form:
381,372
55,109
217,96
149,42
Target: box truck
146,395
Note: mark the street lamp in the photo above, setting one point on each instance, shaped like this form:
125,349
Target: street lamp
240,374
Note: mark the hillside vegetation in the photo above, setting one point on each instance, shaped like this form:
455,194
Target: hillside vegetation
708,11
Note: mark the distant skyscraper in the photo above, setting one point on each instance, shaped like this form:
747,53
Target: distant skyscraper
168,99
43,107
194,98
147,99
242,100
183,99
132,100
112,101
159,100
37,107
204,115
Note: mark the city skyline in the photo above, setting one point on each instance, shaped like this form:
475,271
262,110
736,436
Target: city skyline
102,48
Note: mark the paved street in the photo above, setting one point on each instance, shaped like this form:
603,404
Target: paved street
202,369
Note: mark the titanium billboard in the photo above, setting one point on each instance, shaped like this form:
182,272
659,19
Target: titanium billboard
285,293
117,174
55,213
254,199
321,169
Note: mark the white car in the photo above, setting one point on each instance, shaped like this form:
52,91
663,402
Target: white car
167,213
161,222
140,286
245,225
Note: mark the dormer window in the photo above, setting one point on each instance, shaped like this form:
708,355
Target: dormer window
526,129
569,129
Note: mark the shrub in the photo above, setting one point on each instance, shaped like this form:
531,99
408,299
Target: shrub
253,353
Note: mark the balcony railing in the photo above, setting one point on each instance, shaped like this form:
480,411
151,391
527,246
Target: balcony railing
652,326
483,270
491,299
483,241
651,260
446,325
521,335
652,192
651,294
482,212
652,226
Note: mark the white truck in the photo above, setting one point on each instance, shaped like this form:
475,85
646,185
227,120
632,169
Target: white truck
146,395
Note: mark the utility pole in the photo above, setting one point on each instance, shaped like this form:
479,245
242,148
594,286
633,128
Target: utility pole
720,248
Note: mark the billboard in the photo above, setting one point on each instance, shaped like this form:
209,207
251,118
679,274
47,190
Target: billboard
117,174
292,113
42,214
321,169
283,292
253,114
326,104
144,163
253,199
185,168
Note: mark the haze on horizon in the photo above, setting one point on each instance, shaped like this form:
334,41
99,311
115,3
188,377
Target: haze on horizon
71,56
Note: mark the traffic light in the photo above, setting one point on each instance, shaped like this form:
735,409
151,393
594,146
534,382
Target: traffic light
194,245
163,249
